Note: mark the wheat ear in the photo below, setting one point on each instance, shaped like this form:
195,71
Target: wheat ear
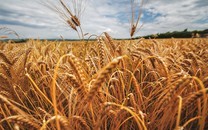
4,80
75,20
72,25
191,99
80,121
110,41
100,78
4,57
6,68
23,120
106,111
101,51
73,81
78,68
62,120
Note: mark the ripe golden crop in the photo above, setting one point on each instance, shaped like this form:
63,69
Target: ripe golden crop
104,84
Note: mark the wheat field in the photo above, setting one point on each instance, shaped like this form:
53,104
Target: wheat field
104,84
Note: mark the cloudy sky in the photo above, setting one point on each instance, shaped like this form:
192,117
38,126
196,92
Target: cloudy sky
31,19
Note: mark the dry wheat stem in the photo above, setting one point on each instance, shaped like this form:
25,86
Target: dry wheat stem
38,90
138,119
179,113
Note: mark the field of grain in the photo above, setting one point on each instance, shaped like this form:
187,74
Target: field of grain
104,84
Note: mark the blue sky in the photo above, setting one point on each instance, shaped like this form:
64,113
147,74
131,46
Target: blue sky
31,19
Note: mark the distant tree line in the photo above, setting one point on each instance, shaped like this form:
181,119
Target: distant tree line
179,34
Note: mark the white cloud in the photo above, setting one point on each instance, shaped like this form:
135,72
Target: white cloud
31,19
176,15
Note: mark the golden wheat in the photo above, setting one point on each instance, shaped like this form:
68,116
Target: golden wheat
104,84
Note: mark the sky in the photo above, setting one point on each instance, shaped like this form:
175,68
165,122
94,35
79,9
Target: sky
33,19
